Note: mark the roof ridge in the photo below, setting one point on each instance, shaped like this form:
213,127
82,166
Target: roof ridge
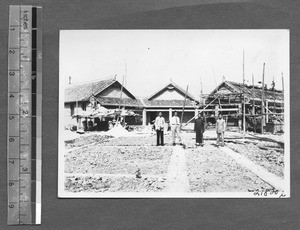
176,86
142,101
255,86
191,96
93,81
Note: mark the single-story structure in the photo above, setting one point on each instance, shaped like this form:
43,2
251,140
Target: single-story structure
107,93
228,99
168,99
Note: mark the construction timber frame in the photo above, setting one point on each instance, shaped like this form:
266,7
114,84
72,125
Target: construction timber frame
263,107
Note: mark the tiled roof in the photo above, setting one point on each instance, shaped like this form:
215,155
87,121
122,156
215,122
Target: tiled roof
250,92
169,103
127,102
82,92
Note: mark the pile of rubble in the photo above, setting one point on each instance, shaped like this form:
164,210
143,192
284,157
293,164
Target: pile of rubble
119,131
68,135
113,184
86,140
131,141
118,160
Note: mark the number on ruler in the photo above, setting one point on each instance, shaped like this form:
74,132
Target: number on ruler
25,112
19,94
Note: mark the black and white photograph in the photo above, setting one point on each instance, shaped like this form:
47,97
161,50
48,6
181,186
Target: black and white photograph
174,113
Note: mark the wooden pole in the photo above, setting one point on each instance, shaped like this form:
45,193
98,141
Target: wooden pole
202,110
77,117
253,104
262,100
187,88
121,92
274,106
125,74
282,104
120,100
201,92
244,106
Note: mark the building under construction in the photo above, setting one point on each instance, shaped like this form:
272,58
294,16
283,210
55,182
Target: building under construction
258,106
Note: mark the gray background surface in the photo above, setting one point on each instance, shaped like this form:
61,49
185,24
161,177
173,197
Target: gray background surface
150,213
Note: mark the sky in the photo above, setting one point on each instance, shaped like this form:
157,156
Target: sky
150,58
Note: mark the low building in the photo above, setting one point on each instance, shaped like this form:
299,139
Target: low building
228,99
167,100
107,93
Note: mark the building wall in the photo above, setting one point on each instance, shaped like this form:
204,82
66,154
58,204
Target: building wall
151,115
170,95
70,109
67,110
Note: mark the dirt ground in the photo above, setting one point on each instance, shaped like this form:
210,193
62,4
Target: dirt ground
100,163
271,157
118,160
211,170
85,140
113,184
117,168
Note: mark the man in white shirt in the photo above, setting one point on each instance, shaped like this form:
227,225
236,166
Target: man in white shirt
175,126
159,127
220,129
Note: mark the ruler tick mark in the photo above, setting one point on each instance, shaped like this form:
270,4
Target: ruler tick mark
22,30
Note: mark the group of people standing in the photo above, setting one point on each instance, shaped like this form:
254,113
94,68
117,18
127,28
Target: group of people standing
199,128
159,127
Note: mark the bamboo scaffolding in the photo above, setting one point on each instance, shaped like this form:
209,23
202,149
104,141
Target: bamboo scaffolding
244,107
187,88
200,111
119,116
262,100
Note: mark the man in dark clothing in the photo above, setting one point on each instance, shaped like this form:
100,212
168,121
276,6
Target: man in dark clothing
199,129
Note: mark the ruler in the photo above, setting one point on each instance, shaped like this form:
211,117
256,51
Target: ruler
24,146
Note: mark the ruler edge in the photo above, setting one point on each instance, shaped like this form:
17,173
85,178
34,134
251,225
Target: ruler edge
8,128
39,105
36,220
